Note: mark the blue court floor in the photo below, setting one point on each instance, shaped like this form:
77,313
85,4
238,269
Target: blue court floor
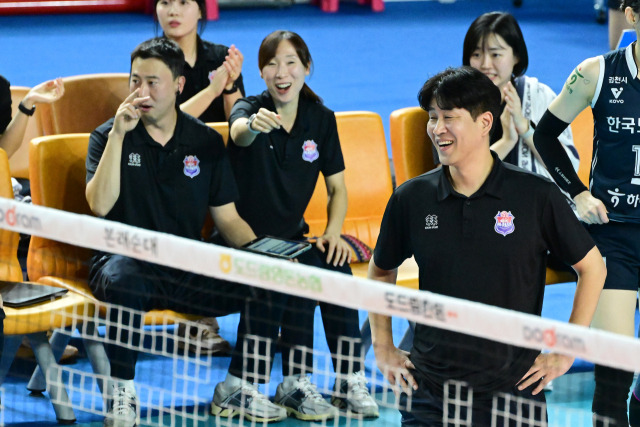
569,406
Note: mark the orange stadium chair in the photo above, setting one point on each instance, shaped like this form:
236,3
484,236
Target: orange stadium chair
367,176
57,173
222,128
368,180
582,129
53,262
62,156
369,186
19,162
34,321
411,148
89,100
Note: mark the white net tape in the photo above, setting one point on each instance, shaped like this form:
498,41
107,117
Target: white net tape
191,371
232,265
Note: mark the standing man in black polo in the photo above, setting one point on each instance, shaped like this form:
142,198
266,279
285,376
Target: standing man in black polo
488,228
154,167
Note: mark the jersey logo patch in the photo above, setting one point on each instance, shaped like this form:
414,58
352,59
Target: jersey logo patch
191,166
431,222
616,92
310,151
504,223
135,160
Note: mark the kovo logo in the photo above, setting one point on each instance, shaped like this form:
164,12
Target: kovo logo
273,274
13,218
551,339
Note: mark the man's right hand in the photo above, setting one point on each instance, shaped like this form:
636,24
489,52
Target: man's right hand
128,115
590,209
394,365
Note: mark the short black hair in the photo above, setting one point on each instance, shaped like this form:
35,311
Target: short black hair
504,25
163,49
462,87
633,4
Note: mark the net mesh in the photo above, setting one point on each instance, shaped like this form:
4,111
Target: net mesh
177,372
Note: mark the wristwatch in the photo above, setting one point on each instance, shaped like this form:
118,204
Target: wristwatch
251,119
25,110
233,89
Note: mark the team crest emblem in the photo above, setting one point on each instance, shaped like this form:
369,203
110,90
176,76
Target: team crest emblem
309,151
191,166
504,223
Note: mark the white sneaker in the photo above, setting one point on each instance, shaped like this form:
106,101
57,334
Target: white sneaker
245,401
123,410
353,395
300,397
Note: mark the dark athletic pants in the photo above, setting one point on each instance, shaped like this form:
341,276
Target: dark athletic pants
339,322
427,407
145,286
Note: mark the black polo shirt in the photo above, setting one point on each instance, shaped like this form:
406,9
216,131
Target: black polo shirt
168,188
209,57
490,248
5,104
278,172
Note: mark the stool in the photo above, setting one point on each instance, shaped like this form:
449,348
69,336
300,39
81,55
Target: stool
332,5
212,9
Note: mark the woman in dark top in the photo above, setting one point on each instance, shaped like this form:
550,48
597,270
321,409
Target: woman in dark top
280,142
212,71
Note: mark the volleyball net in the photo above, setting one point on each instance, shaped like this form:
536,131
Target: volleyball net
176,372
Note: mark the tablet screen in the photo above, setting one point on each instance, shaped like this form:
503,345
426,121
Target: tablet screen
278,247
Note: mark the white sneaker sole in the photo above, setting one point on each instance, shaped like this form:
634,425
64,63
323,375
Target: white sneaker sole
307,417
219,411
342,404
